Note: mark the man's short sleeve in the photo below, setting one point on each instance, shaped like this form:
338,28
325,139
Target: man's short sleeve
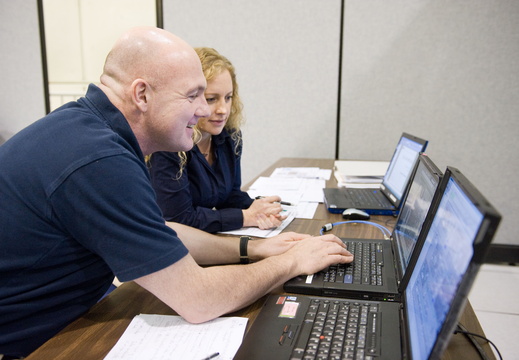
109,207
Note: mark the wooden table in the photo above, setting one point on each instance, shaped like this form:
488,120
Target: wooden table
94,334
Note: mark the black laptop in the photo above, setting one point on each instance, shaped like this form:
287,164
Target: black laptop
420,327
381,268
386,199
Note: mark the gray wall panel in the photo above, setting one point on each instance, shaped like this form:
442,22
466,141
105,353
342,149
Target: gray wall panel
443,70
22,97
286,55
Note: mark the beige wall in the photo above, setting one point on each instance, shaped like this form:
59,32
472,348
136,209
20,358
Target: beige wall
80,33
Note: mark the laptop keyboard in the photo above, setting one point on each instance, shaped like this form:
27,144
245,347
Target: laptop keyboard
339,329
367,199
365,269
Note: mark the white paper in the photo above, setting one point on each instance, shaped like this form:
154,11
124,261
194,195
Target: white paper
299,186
306,210
312,190
257,232
291,190
360,174
290,196
166,337
302,209
302,172
361,168
296,172
275,184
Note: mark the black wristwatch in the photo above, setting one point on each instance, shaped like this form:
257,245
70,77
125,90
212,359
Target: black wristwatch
244,241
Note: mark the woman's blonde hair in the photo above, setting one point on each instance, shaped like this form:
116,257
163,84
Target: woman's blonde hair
213,64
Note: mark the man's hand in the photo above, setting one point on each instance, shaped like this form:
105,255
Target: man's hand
313,254
262,248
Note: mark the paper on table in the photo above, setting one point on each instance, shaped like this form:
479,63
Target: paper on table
165,337
292,190
296,172
257,232
291,196
306,210
276,183
302,172
302,208
312,190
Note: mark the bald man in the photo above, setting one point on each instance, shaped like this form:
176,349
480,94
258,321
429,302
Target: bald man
78,207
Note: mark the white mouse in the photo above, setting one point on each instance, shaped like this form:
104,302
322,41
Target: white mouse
355,214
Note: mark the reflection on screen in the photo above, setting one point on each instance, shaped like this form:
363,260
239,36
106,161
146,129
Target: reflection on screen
414,211
401,166
440,267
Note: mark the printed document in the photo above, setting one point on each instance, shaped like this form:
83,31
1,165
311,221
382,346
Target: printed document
166,337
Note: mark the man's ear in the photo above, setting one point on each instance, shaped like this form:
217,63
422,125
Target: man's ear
140,93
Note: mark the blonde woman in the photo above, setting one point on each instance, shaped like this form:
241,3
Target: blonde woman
202,187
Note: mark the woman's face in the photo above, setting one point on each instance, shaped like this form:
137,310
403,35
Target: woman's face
218,95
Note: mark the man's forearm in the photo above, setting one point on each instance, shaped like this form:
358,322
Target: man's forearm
205,248
239,286
216,290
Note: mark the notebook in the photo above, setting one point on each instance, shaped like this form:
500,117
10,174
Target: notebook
389,268
420,327
385,200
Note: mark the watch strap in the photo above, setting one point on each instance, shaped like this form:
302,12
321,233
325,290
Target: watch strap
244,257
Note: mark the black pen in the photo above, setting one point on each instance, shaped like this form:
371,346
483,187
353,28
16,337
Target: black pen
211,356
281,202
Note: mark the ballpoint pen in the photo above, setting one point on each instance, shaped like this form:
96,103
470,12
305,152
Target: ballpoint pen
281,202
211,356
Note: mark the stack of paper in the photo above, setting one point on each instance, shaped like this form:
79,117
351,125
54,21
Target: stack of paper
353,173
301,187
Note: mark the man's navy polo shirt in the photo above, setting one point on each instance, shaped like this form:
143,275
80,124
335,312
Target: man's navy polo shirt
76,208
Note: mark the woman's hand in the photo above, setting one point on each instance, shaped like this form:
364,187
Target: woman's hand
264,213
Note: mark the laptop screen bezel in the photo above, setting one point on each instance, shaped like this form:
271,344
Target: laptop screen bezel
483,238
406,274
384,186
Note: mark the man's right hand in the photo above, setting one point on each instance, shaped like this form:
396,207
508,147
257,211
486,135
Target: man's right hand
315,253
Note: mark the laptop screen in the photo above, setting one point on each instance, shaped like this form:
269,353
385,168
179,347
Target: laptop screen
401,166
414,211
441,265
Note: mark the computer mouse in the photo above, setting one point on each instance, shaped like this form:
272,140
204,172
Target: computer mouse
355,214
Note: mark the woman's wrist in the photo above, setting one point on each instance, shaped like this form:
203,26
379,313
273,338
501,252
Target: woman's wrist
247,219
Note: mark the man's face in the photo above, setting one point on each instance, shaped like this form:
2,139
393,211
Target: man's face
177,106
